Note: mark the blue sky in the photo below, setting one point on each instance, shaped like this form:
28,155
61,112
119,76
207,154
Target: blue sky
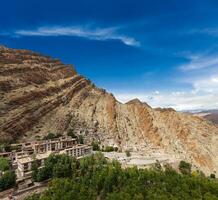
162,52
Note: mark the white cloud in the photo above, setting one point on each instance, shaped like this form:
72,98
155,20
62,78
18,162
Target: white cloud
200,77
203,94
178,100
201,73
200,62
209,84
207,31
156,92
80,31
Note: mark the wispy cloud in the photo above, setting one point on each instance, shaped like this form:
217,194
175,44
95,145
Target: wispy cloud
207,31
102,34
201,91
209,84
197,62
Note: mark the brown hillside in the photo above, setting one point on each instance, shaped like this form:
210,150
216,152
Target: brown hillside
39,94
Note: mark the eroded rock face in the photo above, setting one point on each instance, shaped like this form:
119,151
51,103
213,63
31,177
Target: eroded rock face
39,94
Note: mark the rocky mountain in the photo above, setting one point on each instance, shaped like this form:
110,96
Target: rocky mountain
39,94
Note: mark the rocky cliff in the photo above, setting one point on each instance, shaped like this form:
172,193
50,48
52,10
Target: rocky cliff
39,94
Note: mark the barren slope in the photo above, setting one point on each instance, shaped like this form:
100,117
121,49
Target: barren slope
39,94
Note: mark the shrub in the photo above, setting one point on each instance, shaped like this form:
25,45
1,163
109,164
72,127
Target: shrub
128,154
109,149
71,133
37,137
49,136
4,164
95,146
115,148
212,176
5,147
7,180
157,165
80,139
184,167
33,197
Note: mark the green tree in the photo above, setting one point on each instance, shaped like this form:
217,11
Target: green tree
5,147
33,197
63,167
128,154
81,139
7,180
212,176
93,177
4,164
115,148
209,196
71,133
35,171
109,149
43,174
51,136
55,166
95,146
184,167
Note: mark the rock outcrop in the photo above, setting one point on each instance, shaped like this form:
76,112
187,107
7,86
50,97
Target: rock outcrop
39,94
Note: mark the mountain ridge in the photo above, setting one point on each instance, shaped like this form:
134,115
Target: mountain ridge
40,94
210,115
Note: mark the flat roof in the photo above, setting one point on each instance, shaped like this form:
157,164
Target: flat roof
53,141
24,160
78,146
30,143
28,159
44,155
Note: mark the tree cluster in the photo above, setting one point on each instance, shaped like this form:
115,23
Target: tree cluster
96,147
7,177
56,166
94,178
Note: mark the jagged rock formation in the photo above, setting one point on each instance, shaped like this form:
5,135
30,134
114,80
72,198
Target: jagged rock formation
39,94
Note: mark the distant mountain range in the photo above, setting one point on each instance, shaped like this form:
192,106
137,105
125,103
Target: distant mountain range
211,115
